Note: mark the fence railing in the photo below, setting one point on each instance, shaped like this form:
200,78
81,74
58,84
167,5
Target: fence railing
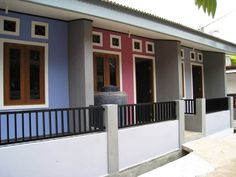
20,126
190,106
216,104
139,114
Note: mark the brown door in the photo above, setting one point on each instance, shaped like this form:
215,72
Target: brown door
144,80
197,81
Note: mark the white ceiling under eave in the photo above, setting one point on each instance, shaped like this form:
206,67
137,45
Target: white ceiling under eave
115,20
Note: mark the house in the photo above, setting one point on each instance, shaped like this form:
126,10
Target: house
56,55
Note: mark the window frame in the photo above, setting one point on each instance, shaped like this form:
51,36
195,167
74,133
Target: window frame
152,44
182,54
33,35
25,75
106,70
101,38
133,46
22,107
198,57
112,36
194,53
2,31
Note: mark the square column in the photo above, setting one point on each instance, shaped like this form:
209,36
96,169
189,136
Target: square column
81,90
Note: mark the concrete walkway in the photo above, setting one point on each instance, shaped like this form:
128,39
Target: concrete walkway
213,156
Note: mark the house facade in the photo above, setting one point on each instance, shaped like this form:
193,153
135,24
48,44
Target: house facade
56,56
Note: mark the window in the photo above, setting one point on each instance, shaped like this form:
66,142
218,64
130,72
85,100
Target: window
39,30
182,53
115,41
137,45
24,78
9,25
106,70
192,55
200,57
150,47
97,39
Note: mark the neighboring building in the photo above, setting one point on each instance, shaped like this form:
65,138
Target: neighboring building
57,54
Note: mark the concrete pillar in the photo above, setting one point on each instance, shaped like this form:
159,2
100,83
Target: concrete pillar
111,123
201,114
231,109
168,70
181,118
81,90
214,74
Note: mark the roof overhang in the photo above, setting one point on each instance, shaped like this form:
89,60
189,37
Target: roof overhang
108,16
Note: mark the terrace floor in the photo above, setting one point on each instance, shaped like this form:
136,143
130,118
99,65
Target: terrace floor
190,135
212,156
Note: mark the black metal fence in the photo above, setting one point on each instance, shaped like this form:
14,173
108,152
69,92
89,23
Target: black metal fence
139,114
190,106
20,126
216,104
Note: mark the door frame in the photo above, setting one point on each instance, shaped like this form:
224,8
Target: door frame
120,62
134,75
191,74
183,81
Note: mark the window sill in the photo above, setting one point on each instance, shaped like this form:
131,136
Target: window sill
22,107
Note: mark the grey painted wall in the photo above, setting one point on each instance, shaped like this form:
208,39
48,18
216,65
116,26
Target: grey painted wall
214,71
80,63
168,70
188,68
231,83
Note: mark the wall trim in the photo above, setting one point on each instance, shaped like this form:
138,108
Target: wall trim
45,45
120,62
203,82
154,75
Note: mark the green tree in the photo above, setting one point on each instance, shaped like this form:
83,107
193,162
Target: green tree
233,59
208,6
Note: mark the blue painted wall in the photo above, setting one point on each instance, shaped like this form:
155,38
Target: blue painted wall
57,56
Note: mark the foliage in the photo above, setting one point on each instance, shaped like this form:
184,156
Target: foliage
208,6
233,59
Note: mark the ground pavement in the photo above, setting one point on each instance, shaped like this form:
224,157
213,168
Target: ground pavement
213,156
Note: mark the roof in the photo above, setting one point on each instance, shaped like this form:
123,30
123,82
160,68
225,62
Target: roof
134,11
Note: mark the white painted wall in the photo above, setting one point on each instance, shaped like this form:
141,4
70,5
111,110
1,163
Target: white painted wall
231,83
217,121
77,156
143,143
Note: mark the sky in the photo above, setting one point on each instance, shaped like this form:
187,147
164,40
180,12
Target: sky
185,12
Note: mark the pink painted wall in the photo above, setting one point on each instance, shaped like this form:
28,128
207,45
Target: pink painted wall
127,57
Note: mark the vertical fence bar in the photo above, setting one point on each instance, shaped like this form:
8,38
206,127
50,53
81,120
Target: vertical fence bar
37,124
121,116
30,126
68,120
56,122
62,121
73,112
23,126
85,123
8,137
80,126
0,129
44,129
50,122
15,127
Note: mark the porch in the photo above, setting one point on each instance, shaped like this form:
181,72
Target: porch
204,117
